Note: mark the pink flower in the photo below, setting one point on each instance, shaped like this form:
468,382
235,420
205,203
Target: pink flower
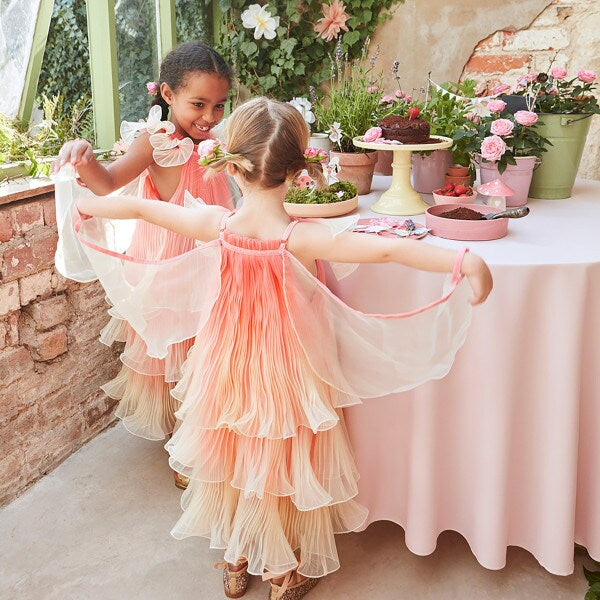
471,116
558,73
119,147
152,88
315,155
407,98
492,148
387,99
502,127
496,106
334,18
373,134
311,152
209,147
525,117
554,91
373,89
586,76
501,87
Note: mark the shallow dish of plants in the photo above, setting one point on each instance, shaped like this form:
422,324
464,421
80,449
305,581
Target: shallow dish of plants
337,199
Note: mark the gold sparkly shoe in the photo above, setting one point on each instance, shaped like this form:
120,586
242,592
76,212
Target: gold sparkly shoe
234,582
181,481
285,591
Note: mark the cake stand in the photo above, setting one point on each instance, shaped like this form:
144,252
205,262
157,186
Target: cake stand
401,198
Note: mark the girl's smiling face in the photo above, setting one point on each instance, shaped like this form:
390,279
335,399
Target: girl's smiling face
198,105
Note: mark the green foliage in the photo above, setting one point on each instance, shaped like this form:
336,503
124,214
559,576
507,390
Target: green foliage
45,139
298,57
192,24
324,196
593,578
349,101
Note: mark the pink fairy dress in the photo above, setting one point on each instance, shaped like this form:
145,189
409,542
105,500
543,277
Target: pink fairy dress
143,385
275,359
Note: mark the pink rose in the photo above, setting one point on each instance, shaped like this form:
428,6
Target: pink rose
399,94
152,88
373,89
558,73
525,117
492,148
311,152
372,135
586,76
502,127
554,91
501,87
496,106
387,99
471,116
209,147
407,98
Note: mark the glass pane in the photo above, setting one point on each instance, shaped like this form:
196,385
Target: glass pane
192,21
137,53
17,26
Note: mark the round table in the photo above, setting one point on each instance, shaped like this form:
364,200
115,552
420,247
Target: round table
505,449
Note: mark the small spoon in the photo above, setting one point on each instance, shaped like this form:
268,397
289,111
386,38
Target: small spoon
511,213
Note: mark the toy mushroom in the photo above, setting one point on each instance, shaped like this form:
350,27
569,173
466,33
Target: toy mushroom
496,191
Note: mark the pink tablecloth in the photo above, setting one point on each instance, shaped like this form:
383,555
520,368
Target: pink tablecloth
506,449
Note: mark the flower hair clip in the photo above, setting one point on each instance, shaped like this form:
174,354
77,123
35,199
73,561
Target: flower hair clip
152,87
315,155
212,150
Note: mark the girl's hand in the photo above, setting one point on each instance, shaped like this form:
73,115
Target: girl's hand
479,277
77,152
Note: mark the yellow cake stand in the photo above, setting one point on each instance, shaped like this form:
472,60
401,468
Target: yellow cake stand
401,198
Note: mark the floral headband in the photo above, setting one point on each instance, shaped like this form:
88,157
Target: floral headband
152,87
315,155
212,150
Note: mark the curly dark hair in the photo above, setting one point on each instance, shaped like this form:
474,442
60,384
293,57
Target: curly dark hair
184,59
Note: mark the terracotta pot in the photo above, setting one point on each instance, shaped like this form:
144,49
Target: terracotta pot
357,167
383,166
465,180
457,171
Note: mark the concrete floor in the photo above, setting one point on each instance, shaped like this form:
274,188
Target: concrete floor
98,528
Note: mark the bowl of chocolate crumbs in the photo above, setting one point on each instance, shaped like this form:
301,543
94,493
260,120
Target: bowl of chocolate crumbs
464,222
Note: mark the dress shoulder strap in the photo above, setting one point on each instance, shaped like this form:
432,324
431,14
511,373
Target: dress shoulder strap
286,234
224,222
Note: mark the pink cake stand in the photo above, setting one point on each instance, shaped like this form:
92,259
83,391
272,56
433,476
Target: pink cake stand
402,198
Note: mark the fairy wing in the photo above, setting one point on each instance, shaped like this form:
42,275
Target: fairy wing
371,355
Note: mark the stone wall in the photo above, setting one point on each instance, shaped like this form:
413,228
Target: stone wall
482,39
51,362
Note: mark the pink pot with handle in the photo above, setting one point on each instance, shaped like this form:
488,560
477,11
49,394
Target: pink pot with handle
518,177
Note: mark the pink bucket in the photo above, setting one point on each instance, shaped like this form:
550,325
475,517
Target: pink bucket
518,177
429,171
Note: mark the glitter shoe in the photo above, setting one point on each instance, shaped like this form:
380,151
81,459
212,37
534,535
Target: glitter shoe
181,481
285,591
234,582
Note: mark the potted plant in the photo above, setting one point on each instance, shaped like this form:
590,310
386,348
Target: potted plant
309,201
507,147
349,108
304,106
566,107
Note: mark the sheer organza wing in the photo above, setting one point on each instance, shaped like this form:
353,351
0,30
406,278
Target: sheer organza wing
369,355
165,301
336,226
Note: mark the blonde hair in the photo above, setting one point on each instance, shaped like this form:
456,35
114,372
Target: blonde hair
267,139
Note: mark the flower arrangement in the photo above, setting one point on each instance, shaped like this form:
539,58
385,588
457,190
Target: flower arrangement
210,151
271,45
352,104
554,93
336,192
501,138
315,155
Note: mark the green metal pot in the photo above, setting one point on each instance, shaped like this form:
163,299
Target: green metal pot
554,178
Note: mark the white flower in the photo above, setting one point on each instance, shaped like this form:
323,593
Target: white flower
257,17
303,105
331,169
335,132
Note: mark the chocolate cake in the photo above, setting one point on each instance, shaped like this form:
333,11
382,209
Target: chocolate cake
407,131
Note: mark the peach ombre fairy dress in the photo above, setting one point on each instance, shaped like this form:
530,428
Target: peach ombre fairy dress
143,385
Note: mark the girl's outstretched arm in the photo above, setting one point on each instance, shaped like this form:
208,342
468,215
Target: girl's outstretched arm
316,239
200,223
104,180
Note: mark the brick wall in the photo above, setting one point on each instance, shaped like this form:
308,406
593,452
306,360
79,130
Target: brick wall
51,363
566,32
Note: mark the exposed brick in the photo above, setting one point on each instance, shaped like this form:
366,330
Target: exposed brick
89,298
49,208
492,42
494,63
44,345
14,363
54,407
27,216
12,322
12,481
6,230
30,256
49,313
9,297
3,335
21,426
537,39
33,286
58,282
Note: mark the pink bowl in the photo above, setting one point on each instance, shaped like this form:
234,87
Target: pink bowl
440,199
455,229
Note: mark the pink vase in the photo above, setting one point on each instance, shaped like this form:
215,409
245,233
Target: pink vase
518,177
429,171
383,166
